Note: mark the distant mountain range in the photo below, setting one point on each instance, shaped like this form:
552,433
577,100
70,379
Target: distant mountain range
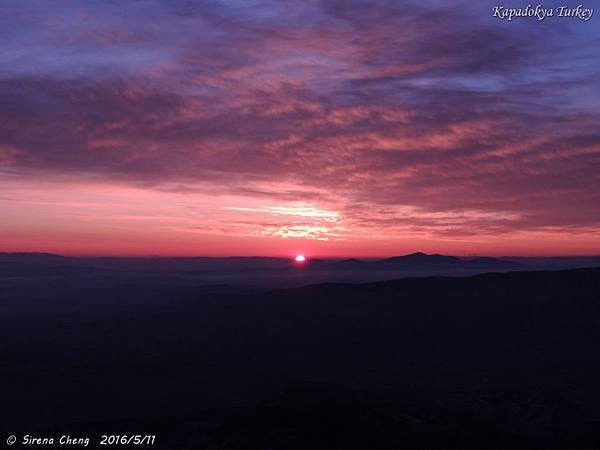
419,261
31,256
278,272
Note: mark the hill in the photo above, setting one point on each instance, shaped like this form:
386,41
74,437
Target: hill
500,357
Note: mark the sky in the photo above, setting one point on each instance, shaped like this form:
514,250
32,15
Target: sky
326,127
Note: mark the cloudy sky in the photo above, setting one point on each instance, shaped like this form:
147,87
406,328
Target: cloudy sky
331,127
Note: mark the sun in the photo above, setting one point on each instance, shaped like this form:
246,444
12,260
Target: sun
300,259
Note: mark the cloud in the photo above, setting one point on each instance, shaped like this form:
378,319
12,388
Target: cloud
412,118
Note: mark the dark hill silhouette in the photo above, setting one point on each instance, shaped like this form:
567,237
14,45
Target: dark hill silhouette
236,268
497,360
419,261
39,257
486,261
423,261
353,262
415,262
423,258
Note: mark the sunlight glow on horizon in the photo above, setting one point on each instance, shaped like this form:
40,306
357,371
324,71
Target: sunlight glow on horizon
119,220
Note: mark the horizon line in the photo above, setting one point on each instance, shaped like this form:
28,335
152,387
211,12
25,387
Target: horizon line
291,256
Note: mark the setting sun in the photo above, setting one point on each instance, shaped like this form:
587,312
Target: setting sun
300,259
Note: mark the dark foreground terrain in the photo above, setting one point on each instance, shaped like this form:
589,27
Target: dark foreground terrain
492,361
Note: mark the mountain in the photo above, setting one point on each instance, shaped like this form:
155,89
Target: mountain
492,361
422,258
415,261
35,259
30,256
38,264
257,271
485,261
353,262
422,261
